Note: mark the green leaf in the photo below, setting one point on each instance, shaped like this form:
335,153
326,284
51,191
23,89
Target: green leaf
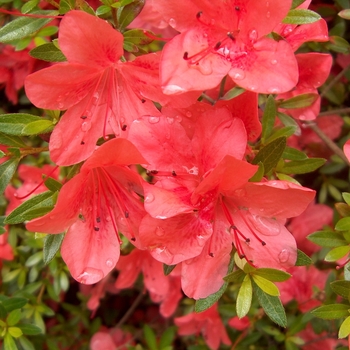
23,26
293,154
338,44
29,6
268,119
270,154
257,177
13,303
7,170
27,210
128,13
302,259
266,285
29,329
344,14
102,10
341,288
52,184
52,244
150,337
343,224
297,3
285,177
244,298
14,317
272,306
327,239
9,342
168,268
206,303
287,120
302,166
300,101
301,16
13,141
344,329
167,337
26,343
283,132
236,276
346,197
337,253
22,124
48,52
15,332
331,311
272,274
232,93
137,37
3,311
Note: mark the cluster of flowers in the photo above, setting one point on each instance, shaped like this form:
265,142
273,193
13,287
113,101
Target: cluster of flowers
197,201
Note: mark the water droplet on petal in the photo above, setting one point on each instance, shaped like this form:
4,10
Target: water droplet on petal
172,22
109,263
268,14
86,126
200,240
149,198
153,120
90,275
273,62
238,74
273,90
283,256
172,89
170,120
188,114
241,192
267,4
60,105
266,226
253,36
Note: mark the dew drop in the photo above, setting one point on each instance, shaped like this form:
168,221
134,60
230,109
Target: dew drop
205,67
60,105
153,120
96,95
90,275
188,114
253,35
273,62
241,192
86,126
239,75
200,240
159,231
266,226
170,120
172,89
149,198
178,118
172,22
283,256
109,263
268,14
273,90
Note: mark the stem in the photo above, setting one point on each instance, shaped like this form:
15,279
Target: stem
26,152
208,98
53,3
330,144
222,87
41,292
114,16
335,111
131,310
333,82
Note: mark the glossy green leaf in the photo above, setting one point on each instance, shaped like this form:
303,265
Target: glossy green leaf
137,37
337,253
265,285
29,6
344,329
268,119
302,259
167,338
48,52
9,342
52,243
287,120
272,306
21,27
168,268
244,298
300,101
346,197
102,10
22,124
327,239
344,14
232,93
52,184
28,210
29,329
235,276
283,132
293,154
341,288
297,3
128,13
302,166
13,303
206,303
331,311
150,337
272,274
14,317
12,141
270,154
7,169
3,312
301,16
343,224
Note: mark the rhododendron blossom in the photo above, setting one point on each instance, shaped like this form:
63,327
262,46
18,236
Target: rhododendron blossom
226,37
103,201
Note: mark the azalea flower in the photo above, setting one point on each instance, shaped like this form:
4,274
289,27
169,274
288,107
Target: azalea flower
208,323
219,38
93,207
102,94
202,201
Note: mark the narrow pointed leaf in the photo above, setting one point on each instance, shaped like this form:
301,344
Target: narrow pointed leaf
341,288
268,119
301,16
232,93
12,141
337,253
302,259
48,52
300,101
331,311
168,268
244,298
129,12
13,303
327,239
9,342
52,244
293,154
343,224
302,166
344,329
7,170
267,286
272,274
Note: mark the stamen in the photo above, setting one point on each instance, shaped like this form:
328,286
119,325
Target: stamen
82,142
173,173
126,214
83,117
211,255
143,100
237,8
217,45
98,219
199,14
231,36
185,57
96,228
124,127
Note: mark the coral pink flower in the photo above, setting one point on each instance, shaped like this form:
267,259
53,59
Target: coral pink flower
313,341
111,339
102,94
219,38
101,200
239,323
165,290
208,323
303,286
314,218
203,202
346,149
